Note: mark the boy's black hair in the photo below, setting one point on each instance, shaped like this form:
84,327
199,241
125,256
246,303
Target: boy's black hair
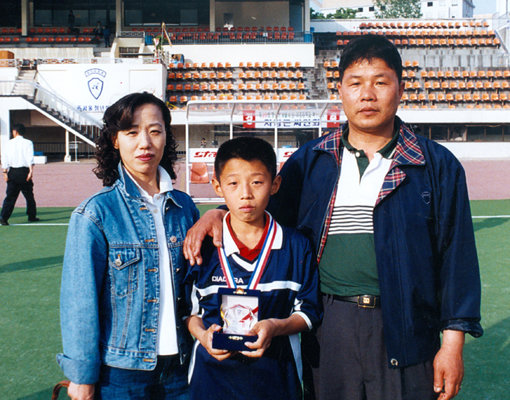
368,47
248,149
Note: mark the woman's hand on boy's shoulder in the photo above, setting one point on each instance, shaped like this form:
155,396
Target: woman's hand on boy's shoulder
206,341
211,223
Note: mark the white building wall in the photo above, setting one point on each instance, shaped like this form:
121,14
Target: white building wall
94,87
430,9
8,104
502,6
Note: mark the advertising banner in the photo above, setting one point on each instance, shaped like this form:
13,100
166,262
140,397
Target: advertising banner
287,120
249,119
333,118
284,153
200,154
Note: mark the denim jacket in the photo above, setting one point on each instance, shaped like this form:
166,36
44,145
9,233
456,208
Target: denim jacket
423,236
109,303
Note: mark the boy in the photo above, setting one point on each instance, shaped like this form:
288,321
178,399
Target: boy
286,280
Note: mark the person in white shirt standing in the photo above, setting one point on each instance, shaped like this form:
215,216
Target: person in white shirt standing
18,170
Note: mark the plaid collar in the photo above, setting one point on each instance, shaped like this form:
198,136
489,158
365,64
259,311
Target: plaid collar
407,151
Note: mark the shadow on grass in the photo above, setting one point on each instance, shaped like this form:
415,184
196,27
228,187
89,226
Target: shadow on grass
35,264
488,223
487,362
45,214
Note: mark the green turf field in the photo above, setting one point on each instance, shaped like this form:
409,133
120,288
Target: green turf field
30,267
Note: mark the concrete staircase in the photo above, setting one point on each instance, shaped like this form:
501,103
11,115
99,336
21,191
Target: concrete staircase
318,82
52,106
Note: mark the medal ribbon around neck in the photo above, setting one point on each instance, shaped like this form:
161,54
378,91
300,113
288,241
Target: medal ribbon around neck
261,260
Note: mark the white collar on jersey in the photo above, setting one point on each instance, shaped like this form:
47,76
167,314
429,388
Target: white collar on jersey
230,245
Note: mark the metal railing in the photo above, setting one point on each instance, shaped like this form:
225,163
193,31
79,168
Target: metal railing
131,34
224,38
9,62
66,112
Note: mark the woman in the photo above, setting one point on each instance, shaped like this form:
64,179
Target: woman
121,283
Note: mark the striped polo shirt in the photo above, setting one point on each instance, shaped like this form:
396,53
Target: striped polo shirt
348,265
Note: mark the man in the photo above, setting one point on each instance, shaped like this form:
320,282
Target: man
18,170
388,213
106,35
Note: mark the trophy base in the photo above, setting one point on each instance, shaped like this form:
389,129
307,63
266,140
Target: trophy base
232,341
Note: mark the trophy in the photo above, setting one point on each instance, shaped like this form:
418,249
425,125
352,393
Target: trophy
239,312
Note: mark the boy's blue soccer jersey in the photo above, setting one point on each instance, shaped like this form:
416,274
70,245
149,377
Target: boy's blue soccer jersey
288,285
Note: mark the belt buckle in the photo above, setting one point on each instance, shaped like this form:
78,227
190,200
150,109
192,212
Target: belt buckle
366,301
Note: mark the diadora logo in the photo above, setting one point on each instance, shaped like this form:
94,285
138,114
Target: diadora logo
95,83
215,278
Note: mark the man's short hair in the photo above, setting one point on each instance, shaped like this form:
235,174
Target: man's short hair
20,128
248,149
368,47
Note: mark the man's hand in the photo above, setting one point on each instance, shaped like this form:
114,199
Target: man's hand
211,223
449,365
6,178
80,392
30,175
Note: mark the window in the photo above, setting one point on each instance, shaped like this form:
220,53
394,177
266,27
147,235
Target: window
371,8
430,3
360,9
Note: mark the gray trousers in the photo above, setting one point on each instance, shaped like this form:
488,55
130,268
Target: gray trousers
353,361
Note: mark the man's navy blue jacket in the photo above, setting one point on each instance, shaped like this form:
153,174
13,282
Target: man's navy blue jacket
423,234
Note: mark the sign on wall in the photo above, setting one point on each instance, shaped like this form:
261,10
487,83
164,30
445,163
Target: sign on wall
92,88
262,119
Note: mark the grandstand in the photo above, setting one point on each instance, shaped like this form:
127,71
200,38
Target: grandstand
57,78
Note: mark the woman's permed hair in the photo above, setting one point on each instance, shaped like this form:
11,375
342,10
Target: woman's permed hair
119,117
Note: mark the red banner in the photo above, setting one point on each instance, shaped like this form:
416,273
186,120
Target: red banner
333,118
249,119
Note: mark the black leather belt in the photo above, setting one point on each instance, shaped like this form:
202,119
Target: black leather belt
363,301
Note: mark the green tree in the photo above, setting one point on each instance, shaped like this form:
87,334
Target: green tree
343,13
398,8
316,15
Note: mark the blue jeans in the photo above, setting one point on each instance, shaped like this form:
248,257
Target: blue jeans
167,381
